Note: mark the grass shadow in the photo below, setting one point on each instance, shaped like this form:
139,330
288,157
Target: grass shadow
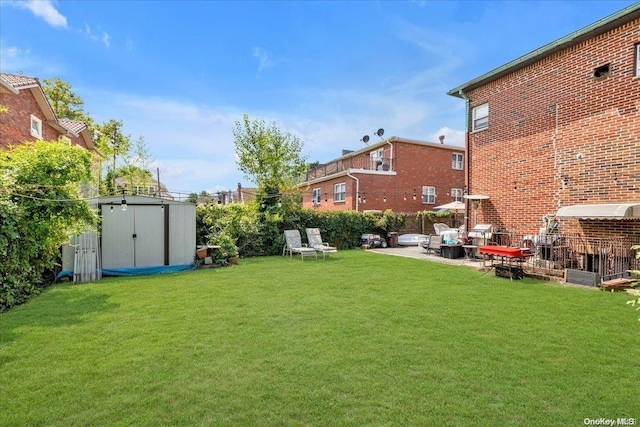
57,306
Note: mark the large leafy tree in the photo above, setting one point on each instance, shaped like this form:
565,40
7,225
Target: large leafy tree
108,137
64,102
269,158
39,208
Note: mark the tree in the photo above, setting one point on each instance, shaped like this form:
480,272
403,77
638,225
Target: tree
142,159
65,103
112,143
138,179
269,158
40,207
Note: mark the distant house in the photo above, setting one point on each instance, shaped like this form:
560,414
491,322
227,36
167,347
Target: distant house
147,187
401,174
244,194
30,116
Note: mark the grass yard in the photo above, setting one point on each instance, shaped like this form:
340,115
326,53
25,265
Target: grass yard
359,339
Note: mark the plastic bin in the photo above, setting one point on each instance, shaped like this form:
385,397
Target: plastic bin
392,240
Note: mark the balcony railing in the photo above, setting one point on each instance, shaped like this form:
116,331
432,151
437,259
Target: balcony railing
358,162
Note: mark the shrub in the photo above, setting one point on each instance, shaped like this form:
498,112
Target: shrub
39,209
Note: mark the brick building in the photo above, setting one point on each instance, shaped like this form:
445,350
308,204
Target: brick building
30,116
557,131
400,174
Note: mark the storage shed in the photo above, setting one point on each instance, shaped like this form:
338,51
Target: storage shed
146,232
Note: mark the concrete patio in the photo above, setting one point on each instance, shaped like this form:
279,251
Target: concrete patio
419,252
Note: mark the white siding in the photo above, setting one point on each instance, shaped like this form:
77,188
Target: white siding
182,234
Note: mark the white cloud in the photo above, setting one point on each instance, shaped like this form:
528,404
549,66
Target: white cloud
103,38
15,59
106,39
263,59
193,143
44,9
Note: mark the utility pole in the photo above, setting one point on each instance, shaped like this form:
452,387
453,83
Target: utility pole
115,150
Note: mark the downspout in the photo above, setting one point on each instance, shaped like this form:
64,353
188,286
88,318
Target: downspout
357,188
467,178
395,193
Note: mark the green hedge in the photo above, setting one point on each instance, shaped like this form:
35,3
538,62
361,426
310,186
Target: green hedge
259,233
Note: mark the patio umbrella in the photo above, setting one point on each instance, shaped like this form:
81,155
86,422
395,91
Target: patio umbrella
453,206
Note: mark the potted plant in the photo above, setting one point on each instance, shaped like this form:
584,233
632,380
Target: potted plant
228,249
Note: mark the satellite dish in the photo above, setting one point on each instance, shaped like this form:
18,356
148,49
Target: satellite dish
365,139
380,132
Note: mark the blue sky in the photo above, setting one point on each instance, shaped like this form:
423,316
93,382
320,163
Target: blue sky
181,73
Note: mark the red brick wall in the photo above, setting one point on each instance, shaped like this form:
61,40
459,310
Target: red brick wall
415,165
558,136
15,125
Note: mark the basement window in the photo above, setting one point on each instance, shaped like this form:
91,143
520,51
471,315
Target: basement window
36,127
602,71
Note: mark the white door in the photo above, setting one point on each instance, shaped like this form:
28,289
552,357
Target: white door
149,231
133,238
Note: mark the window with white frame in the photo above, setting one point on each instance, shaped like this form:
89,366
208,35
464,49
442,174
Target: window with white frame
429,195
637,74
457,161
480,117
315,196
36,127
339,192
456,194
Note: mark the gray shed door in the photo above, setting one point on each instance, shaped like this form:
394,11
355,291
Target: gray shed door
133,238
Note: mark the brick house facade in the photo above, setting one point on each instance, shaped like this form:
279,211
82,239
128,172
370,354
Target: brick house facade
400,174
559,127
30,116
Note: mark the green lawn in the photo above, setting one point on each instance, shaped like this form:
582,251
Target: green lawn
359,339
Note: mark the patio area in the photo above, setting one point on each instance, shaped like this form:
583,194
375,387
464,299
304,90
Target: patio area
419,252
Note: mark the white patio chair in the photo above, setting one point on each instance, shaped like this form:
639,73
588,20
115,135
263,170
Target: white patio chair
293,244
315,241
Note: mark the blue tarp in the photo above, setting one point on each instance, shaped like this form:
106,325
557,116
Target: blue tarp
136,271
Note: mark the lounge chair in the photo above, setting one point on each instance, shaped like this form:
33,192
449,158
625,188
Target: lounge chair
315,241
293,245
434,244
440,227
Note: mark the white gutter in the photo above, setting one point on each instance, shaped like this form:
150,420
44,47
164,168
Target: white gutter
390,155
357,189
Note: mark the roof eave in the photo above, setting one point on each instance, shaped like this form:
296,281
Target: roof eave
599,27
